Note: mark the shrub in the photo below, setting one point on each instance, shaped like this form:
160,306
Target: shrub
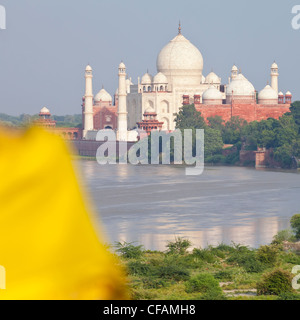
295,224
171,272
128,250
225,275
204,254
138,268
217,158
153,283
268,254
275,282
247,259
283,235
288,296
179,246
213,295
291,257
225,247
217,252
204,283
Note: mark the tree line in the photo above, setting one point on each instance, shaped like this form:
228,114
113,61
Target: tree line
282,135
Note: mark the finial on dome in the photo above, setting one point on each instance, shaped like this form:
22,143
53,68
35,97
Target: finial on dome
179,28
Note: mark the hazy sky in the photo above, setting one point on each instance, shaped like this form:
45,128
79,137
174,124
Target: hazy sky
48,43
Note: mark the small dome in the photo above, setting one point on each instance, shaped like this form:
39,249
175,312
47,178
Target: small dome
281,94
160,78
88,68
274,65
267,93
212,78
45,110
103,95
150,110
240,86
122,65
212,93
234,68
288,93
147,78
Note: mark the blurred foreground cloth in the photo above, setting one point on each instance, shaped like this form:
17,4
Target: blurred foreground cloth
48,244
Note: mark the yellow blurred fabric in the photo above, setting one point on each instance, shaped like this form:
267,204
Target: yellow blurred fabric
48,244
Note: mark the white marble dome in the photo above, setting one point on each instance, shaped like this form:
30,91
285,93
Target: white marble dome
160,78
267,93
274,65
240,86
103,95
147,79
212,78
212,93
180,58
45,110
88,68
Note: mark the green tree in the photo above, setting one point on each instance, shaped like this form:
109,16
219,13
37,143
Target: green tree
213,142
287,132
284,155
232,130
216,123
295,224
295,113
189,118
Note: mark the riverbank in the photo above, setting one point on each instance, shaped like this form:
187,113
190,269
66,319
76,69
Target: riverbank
224,272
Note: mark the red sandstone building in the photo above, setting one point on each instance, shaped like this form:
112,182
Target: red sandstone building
104,111
240,99
45,120
248,109
150,122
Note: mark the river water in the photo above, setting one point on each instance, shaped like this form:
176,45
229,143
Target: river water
153,204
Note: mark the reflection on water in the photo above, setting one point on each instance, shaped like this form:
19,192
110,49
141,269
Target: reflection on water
153,204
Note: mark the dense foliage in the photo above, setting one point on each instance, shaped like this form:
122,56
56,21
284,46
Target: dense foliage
25,119
275,282
282,135
214,273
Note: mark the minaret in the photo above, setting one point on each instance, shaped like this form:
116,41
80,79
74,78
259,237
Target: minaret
88,109
234,72
274,76
122,109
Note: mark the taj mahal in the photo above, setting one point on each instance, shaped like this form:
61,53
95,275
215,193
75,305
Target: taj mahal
153,102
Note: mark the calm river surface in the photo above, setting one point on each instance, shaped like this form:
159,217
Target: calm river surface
153,204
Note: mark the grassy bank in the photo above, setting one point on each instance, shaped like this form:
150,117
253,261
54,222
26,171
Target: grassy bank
224,272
